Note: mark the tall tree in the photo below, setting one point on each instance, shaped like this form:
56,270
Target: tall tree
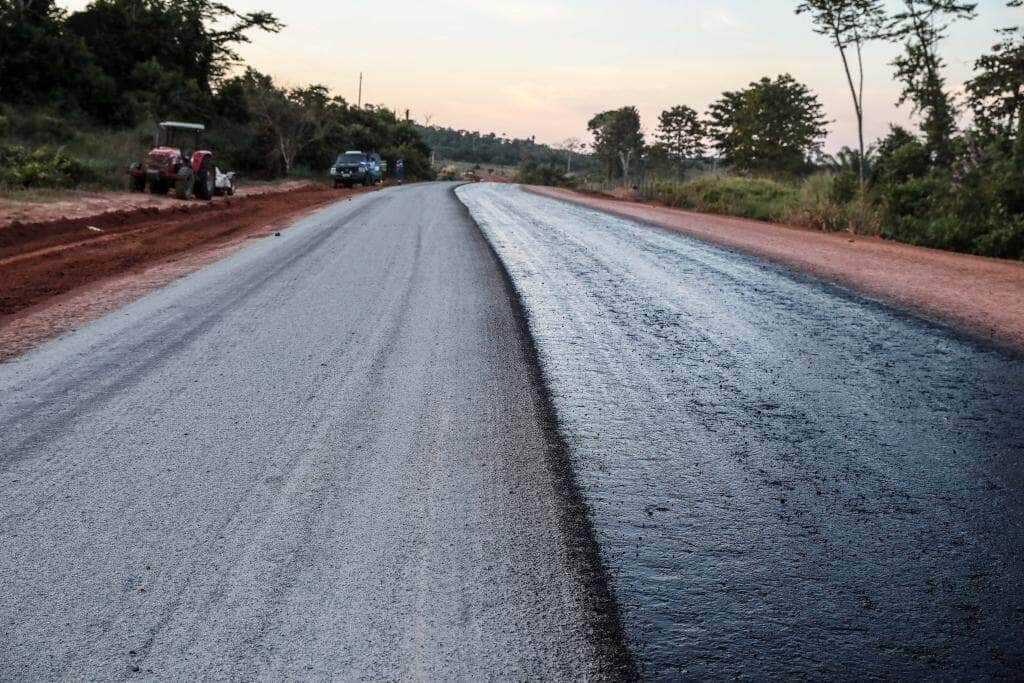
617,138
681,134
571,146
771,126
996,93
921,25
849,24
41,61
195,39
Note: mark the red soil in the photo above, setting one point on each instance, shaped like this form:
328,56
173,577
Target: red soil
982,295
81,204
57,274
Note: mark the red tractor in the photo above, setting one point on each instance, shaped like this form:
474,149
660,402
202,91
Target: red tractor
177,162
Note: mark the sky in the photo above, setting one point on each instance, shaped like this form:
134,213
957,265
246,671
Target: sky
543,68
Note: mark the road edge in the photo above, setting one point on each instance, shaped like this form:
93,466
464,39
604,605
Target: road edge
607,633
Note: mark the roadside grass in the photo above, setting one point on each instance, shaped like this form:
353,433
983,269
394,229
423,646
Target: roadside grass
44,156
823,201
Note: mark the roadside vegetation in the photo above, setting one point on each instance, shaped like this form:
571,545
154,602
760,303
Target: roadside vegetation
80,94
957,182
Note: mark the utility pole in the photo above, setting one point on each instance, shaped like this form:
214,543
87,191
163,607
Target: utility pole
360,105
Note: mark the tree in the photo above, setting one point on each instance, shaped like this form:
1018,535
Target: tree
543,172
681,134
771,126
296,118
571,147
849,24
41,62
921,25
190,44
848,160
618,139
996,93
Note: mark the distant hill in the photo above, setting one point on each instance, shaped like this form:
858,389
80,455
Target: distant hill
487,148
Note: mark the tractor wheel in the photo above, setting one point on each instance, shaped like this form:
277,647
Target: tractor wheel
137,183
185,187
205,180
158,186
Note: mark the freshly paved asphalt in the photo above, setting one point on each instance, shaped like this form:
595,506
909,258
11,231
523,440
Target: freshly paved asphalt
325,456
335,454
786,480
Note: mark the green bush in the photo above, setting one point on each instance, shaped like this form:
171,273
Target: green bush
533,172
21,167
824,201
845,187
758,198
976,211
816,206
1005,239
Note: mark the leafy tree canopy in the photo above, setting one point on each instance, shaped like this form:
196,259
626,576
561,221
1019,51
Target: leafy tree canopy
921,25
996,93
681,133
771,126
618,140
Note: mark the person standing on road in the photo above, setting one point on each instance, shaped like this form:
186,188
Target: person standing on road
399,170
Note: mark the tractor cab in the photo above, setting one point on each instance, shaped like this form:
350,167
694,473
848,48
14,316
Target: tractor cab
181,136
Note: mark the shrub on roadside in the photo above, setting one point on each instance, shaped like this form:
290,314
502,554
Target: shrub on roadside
976,207
533,172
816,205
46,166
758,198
824,201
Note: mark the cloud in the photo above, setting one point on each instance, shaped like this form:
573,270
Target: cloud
519,10
719,21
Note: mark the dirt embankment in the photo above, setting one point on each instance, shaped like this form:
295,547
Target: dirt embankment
56,274
981,295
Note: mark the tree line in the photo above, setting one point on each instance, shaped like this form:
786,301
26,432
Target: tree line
949,184
499,150
118,64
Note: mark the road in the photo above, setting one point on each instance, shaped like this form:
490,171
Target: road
340,453
326,456
786,479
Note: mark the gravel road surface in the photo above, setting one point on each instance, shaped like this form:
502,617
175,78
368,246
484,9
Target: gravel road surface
324,456
786,479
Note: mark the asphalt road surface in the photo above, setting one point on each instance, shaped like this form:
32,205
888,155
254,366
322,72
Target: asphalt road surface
335,455
786,479
326,456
